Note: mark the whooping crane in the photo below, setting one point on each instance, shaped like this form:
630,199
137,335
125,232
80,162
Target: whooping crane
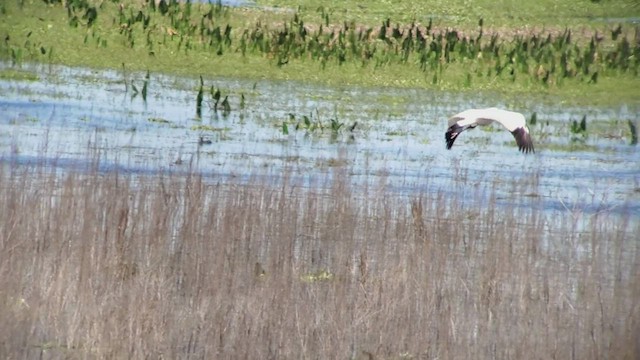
468,119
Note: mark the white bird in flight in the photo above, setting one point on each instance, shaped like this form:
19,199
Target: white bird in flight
468,119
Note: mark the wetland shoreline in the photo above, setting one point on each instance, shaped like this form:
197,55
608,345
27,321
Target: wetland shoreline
583,64
220,212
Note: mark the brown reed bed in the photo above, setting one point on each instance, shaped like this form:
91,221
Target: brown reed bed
109,265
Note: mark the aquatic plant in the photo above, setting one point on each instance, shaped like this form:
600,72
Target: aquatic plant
579,130
199,99
208,128
158,120
134,88
315,124
215,97
634,132
226,108
336,125
145,86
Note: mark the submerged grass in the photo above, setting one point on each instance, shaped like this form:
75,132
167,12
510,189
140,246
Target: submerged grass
16,74
110,265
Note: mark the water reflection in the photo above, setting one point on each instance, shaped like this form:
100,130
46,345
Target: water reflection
70,115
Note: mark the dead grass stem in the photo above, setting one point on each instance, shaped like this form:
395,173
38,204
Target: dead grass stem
108,265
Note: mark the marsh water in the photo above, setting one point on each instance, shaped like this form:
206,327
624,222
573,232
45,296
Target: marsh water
71,118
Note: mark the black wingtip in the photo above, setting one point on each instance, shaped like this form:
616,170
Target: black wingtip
451,135
523,139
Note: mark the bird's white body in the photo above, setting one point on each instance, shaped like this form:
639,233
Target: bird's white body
512,121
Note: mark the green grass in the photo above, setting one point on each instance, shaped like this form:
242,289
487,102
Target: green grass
17,74
38,32
465,13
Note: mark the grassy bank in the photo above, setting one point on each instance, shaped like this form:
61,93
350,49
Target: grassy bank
121,266
465,14
590,62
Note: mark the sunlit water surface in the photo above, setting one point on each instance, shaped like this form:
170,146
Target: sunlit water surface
70,117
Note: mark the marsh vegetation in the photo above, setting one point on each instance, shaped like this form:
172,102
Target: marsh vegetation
222,213
325,45
104,265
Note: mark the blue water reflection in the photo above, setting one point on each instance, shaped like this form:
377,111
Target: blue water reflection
70,116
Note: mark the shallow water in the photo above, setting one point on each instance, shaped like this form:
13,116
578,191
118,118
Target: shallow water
71,116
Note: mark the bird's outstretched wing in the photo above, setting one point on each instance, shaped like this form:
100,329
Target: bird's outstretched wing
523,139
514,122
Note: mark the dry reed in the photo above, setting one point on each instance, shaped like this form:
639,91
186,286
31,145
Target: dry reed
109,265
